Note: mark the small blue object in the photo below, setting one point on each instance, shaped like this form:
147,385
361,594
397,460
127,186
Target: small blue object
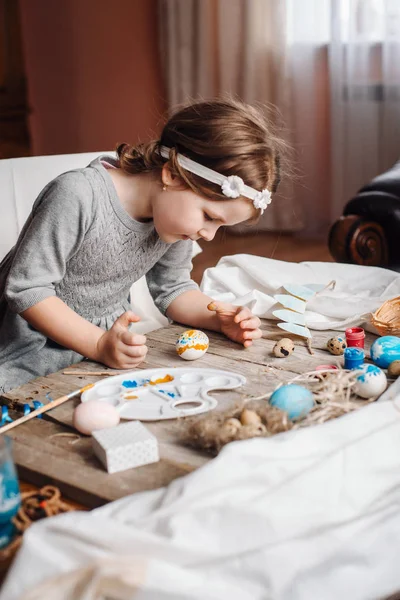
294,399
9,492
385,350
133,383
27,409
5,417
168,393
37,404
353,357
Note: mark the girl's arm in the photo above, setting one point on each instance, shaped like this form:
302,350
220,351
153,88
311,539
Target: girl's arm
117,348
190,308
59,322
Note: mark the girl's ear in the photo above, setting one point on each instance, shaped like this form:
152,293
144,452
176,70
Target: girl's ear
168,179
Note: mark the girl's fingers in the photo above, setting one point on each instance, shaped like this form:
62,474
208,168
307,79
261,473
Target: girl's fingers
242,313
135,351
252,334
247,343
132,339
252,323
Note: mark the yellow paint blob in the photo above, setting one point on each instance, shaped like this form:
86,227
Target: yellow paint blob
87,387
130,397
165,379
194,346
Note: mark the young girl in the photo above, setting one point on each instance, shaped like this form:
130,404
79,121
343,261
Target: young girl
64,287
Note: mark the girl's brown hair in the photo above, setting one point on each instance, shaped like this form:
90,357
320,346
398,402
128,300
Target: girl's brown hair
226,135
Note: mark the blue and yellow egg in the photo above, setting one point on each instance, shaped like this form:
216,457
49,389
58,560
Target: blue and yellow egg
192,344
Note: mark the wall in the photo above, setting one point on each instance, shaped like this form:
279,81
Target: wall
93,70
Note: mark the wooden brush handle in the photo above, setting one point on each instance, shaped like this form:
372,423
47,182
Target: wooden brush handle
36,412
91,373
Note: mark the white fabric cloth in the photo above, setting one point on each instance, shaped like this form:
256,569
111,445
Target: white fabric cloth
307,514
253,281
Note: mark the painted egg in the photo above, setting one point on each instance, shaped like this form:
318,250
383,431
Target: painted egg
283,348
93,414
336,345
294,399
394,368
371,382
385,350
192,344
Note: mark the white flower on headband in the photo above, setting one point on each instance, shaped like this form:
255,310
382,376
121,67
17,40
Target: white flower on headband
232,186
262,199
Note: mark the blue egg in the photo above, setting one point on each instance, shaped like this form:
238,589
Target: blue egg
385,350
294,399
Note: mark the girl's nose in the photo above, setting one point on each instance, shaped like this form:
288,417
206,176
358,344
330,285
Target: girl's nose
208,233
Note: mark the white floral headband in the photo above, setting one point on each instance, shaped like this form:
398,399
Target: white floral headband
232,186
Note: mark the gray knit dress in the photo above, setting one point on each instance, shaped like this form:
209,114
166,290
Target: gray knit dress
80,245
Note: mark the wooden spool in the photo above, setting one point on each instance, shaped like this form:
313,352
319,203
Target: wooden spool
354,240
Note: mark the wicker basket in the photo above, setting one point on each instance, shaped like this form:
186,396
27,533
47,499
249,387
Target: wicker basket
387,318
35,505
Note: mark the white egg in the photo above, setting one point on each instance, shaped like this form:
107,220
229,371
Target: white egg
370,382
192,344
93,414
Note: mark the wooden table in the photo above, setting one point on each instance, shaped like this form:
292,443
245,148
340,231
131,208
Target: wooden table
44,456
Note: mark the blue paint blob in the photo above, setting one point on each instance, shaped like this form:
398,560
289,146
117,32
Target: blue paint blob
134,383
294,399
385,350
369,371
168,393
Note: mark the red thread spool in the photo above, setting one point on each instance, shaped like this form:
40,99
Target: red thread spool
355,337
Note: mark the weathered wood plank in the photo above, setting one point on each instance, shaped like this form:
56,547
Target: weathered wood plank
42,457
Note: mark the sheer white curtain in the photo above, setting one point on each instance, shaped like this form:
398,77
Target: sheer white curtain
332,67
365,83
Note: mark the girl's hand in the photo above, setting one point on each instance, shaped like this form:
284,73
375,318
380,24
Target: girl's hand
119,348
237,323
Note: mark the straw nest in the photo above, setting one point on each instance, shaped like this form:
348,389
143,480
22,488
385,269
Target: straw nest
387,318
333,396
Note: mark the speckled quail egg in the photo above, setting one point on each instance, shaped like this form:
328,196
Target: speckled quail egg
283,348
249,417
394,368
231,426
336,345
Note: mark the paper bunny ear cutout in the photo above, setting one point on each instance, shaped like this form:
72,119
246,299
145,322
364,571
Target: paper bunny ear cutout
295,302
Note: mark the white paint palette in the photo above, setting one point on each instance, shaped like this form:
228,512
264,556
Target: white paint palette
156,394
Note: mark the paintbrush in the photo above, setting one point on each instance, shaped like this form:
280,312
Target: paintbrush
44,408
92,373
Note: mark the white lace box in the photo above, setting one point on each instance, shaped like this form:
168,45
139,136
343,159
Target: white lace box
125,446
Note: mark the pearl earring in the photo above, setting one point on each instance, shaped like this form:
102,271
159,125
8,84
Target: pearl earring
164,187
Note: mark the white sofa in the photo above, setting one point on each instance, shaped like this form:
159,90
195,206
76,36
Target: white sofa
21,180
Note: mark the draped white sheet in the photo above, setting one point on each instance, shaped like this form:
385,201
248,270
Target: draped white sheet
253,281
312,513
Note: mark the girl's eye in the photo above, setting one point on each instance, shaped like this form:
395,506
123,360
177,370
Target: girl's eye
207,217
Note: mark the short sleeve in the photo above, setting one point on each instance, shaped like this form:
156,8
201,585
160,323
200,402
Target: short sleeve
52,234
170,276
